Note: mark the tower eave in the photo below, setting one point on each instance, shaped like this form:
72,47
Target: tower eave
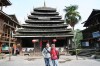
45,9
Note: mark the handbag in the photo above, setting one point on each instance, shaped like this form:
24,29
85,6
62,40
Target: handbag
47,50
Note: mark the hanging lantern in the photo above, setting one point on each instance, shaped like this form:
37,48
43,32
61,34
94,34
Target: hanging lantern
54,40
34,40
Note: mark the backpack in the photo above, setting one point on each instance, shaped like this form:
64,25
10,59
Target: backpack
57,54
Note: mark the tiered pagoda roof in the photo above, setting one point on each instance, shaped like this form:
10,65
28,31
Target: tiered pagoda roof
44,22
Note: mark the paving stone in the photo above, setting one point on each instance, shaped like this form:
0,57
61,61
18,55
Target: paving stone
22,61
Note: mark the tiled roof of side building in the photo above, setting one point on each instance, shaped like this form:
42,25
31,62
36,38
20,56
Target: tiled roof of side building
5,3
94,13
7,17
14,17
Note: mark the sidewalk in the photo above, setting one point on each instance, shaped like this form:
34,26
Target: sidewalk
39,61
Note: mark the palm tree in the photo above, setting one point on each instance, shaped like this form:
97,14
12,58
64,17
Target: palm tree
72,16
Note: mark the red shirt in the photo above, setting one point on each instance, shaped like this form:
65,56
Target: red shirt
54,53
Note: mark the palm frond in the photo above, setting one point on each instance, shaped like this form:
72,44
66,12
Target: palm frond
72,16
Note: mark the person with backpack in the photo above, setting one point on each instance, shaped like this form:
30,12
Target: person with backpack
54,55
46,55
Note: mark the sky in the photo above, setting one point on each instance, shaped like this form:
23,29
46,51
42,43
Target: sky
22,8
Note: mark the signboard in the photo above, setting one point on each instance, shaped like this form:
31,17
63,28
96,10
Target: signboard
96,34
27,49
85,44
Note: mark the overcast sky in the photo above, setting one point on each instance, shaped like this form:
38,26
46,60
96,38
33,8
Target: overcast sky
22,8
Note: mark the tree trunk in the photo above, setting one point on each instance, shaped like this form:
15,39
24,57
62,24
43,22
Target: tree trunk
73,28
75,42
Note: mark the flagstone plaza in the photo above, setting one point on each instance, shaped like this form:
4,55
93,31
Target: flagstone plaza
39,61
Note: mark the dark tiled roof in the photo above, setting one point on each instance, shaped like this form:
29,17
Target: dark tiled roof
93,14
44,25
44,13
44,30
44,21
91,28
5,2
45,35
14,18
45,9
6,16
44,17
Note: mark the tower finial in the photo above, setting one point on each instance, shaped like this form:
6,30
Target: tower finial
44,4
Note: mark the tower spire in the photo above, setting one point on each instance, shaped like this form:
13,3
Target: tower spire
44,4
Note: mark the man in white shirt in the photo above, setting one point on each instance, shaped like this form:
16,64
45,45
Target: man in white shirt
46,55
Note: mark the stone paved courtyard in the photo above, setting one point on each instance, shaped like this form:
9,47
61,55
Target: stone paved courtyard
38,61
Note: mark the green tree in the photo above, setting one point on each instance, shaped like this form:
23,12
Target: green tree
78,38
72,16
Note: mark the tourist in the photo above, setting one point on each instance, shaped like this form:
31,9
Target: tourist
54,55
46,55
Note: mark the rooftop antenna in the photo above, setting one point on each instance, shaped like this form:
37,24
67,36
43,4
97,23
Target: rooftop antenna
44,4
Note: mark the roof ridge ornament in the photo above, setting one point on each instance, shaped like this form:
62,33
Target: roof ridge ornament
44,4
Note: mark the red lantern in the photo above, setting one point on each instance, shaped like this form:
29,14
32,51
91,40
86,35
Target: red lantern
54,40
34,41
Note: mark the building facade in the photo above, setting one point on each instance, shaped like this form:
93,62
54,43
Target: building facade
91,35
8,24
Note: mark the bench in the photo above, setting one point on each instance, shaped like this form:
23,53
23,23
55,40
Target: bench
26,54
